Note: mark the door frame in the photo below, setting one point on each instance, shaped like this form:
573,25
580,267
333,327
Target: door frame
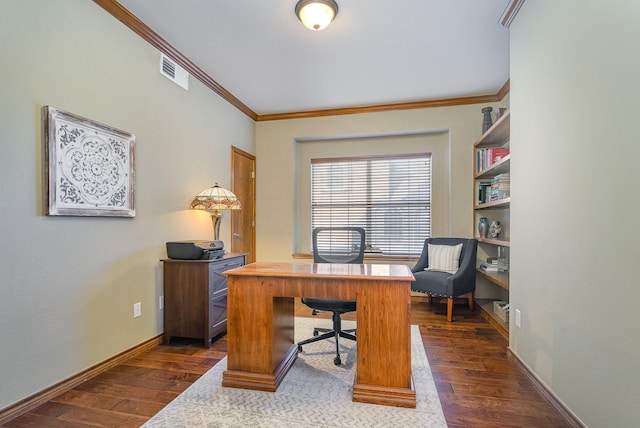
234,153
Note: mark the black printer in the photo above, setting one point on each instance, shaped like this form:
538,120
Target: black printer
195,250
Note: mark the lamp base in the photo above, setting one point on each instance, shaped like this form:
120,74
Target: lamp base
216,218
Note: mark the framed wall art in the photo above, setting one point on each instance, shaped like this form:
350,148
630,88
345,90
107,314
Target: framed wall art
90,167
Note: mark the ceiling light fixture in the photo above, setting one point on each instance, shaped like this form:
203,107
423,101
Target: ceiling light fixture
316,15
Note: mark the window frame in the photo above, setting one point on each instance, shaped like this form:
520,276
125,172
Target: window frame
378,233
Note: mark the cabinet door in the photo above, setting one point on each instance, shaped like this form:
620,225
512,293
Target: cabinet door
218,314
218,294
217,280
217,302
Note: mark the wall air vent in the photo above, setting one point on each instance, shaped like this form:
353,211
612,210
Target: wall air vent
172,71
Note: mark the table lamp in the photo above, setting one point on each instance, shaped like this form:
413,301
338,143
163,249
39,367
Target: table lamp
212,200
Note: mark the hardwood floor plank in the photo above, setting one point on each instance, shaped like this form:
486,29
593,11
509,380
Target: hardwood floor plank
473,411
137,407
52,409
142,394
151,378
85,399
493,391
33,420
102,418
478,384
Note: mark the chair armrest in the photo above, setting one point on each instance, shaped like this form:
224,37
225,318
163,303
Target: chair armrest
464,279
423,261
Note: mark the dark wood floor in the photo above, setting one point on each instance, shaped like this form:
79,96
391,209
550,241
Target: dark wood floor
478,385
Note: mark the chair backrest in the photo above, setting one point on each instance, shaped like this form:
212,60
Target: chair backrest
467,255
451,241
338,244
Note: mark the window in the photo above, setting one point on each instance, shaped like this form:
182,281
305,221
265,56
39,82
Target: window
389,196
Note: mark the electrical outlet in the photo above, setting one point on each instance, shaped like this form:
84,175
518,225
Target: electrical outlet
518,318
137,310
161,302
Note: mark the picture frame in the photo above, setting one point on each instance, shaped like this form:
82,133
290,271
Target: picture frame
89,166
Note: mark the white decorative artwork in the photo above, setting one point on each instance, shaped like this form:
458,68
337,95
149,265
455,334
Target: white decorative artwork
90,167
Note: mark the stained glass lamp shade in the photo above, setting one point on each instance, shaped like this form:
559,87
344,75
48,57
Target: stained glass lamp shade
214,199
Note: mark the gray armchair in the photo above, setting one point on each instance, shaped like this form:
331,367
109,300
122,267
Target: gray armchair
445,284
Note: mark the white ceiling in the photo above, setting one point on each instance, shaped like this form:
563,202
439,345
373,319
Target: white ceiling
374,52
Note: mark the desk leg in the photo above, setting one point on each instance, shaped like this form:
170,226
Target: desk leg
384,345
260,341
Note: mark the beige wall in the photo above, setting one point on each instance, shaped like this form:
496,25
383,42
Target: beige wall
68,284
575,102
449,132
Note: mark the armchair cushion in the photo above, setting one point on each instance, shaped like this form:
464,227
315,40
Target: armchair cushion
444,258
432,282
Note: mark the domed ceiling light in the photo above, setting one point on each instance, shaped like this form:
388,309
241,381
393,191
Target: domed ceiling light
316,15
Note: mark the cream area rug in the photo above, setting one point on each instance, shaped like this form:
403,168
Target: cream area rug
315,393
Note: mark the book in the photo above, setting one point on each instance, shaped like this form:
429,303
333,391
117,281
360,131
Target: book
486,267
500,187
502,177
488,156
497,154
484,192
498,195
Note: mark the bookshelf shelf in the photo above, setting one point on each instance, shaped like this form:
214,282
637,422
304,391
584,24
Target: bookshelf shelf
486,306
498,134
500,167
498,242
502,203
498,278
492,167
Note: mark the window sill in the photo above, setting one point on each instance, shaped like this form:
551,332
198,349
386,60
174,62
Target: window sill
367,257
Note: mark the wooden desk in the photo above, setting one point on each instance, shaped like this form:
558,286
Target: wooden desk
260,340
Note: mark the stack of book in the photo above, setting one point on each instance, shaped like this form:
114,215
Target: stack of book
488,156
484,192
500,187
491,265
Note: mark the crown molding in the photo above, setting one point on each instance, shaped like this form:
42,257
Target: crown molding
504,90
510,12
446,102
140,28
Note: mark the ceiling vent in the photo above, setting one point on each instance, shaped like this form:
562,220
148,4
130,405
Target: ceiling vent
173,72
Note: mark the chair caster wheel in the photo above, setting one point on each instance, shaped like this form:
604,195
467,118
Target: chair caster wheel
299,348
337,361
315,333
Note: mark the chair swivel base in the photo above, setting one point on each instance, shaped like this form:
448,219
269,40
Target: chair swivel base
337,333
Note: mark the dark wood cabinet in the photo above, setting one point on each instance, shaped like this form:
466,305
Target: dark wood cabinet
195,297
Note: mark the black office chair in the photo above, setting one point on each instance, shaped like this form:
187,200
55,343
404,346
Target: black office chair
447,284
335,245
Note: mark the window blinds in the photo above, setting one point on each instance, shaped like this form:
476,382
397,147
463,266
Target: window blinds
388,196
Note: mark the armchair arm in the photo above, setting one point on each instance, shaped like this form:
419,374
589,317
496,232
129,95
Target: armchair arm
423,261
464,280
